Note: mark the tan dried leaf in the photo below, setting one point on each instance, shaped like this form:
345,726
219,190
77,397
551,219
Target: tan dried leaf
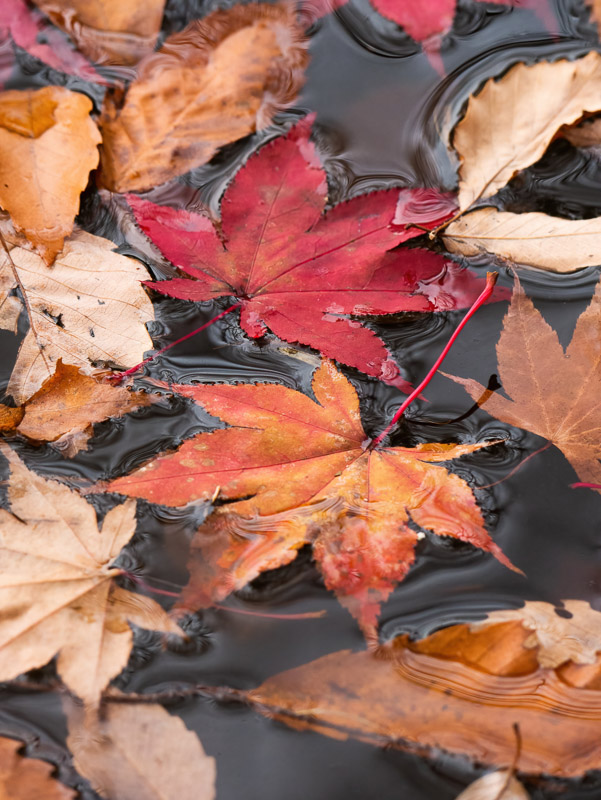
495,786
586,134
88,308
220,79
48,146
533,239
139,751
28,778
57,594
108,31
511,121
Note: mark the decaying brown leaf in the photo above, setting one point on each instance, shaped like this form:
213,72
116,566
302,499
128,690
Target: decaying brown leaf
108,31
88,308
57,590
535,370
139,751
500,785
218,80
407,695
67,405
533,239
509,124
27,778
48,146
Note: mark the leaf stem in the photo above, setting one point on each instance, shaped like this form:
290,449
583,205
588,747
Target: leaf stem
119,376
491,279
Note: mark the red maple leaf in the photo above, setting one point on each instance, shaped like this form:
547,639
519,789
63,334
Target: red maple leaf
301,273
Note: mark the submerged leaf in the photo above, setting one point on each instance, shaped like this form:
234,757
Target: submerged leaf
216,81
48,146
307,477
28,778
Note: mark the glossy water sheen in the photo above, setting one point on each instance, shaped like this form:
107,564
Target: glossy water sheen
379,104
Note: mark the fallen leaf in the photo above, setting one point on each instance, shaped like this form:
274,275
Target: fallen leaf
10,418
48,146
139,751
88,307
510,122
69,403
307,478
586,134
30,31
57,589
535,383
499,785
108,31
298,272
532,239
218,80
24,778
403,699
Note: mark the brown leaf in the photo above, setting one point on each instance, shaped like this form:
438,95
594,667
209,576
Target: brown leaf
28,778
57,593
48,145
511,121
218,80
89,304
139,751
108,31
533,239
595,7
586,134
425,703
495,786
70,402
535,383
10,418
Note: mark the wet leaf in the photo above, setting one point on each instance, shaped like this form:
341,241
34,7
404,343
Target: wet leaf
216,81
499,785
132,752
89,304
535,383
28,778
67,405
585,134
402,698
302,274
510,122
533,239
48,146
108,31
57,589
306,477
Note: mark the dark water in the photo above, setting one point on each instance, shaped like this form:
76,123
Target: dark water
379,104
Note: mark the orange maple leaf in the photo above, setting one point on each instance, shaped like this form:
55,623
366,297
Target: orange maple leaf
308,476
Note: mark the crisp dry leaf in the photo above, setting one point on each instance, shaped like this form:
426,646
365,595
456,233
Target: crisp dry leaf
138,751
500,785
69,403
32,32
57,593
301,273
28,778
307,477
218,80
425,703
108,31
532,239
511,121
48,146
535,382
88,308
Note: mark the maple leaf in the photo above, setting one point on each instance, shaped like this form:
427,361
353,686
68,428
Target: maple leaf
48,146
220,79
535,382
130,752
57,589
298,272
307,477
88,305
28,778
